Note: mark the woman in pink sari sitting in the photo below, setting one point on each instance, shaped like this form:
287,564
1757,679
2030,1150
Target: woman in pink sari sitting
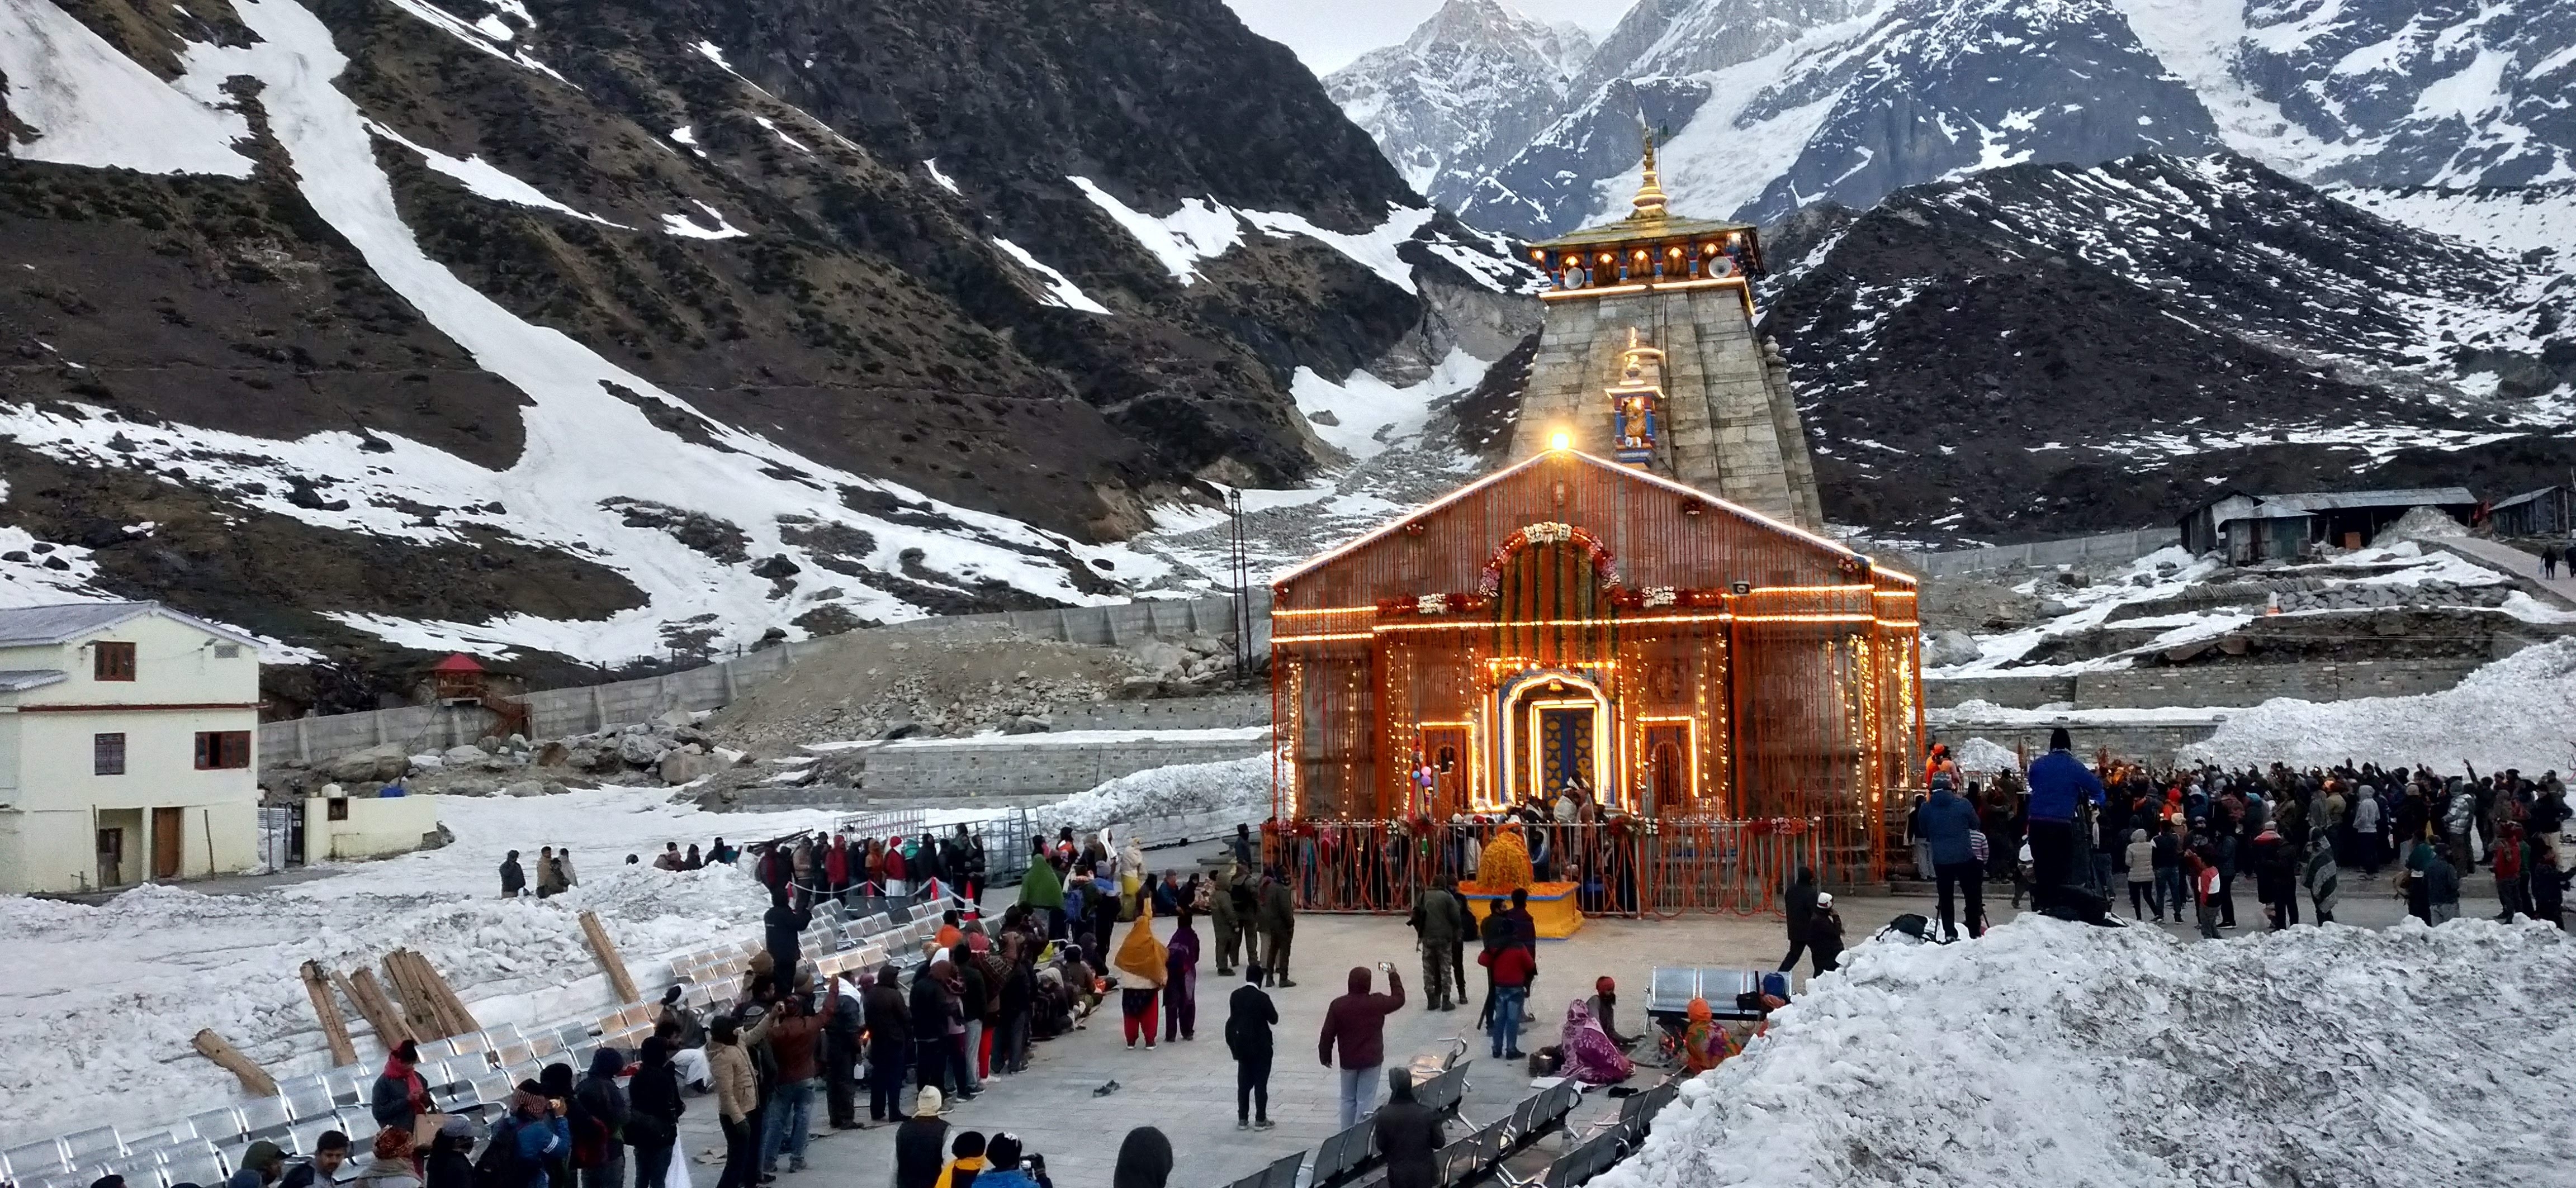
1590,1057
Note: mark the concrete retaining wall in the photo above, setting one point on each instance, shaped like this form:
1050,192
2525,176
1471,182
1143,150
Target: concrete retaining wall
1171,713
2110,547
2150,742
2215,685
554,713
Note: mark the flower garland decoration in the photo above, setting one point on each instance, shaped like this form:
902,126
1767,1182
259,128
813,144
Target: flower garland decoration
1605,566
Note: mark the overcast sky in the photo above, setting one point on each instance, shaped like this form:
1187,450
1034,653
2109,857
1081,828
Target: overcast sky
1327,34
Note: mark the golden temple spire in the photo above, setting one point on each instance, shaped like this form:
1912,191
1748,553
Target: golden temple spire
1650,193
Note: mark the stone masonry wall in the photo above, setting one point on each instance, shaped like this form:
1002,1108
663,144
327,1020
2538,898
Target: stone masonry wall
1730,425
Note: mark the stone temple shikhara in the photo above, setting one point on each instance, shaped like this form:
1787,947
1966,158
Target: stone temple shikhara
1649,355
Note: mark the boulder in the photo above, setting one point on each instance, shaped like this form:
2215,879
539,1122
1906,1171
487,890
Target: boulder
525,788
640,749
1027,724
463,754
554,754
385,762
681,766
1951,647
673,719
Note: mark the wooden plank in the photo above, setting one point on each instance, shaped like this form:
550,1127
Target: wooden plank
361,987
435,994
417,1005
609,962
335,1030
254,1079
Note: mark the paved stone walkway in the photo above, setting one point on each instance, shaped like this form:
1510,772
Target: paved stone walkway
1187,1089
2518,563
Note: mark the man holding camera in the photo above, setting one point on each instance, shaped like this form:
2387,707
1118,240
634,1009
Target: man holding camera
1357,1021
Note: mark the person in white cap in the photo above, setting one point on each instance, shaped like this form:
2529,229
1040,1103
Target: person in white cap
1825,933
921,1143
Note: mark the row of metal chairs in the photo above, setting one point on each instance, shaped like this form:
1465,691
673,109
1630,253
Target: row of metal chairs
1469,1159
1612,1141
1350,1152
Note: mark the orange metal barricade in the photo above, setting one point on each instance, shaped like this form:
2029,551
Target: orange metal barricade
1631,868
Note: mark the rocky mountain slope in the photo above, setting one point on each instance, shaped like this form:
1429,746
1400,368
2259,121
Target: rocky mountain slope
1772,104
2041,350
584,333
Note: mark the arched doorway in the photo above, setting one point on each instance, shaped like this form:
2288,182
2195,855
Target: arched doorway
1557,726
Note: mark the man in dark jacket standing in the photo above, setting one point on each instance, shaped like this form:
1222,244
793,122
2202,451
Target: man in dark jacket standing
1357,1022
599,1122
2058,783
841,1022
1800,906
783,924
513,879
1437,927
1249,1017
1945,823
1278,919
1408,1133
889,1024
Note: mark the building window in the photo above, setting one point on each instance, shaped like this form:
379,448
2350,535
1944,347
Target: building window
112,660
339,808
227,651
107,754
222,749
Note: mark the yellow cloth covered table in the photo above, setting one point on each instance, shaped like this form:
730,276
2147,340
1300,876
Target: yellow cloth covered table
1551,906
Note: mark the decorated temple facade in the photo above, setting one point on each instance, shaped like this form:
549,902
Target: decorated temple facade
1573,619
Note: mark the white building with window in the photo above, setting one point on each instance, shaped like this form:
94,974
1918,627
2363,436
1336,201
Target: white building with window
126,731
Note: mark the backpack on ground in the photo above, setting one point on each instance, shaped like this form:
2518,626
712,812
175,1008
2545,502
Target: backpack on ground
1911,924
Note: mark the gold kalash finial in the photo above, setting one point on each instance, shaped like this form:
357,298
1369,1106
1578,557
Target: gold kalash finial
1650,194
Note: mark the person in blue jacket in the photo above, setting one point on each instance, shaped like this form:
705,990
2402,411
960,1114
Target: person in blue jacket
1945,823
536,1135
2059,783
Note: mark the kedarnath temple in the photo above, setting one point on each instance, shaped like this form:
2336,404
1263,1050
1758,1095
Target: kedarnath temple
1630,630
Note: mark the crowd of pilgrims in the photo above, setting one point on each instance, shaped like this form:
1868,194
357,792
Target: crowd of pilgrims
2189,835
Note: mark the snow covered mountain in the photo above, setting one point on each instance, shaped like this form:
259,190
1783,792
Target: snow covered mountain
2040,349
1772,104
1474,80
650,328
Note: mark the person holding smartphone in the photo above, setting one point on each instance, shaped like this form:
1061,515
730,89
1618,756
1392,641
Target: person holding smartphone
1357,1023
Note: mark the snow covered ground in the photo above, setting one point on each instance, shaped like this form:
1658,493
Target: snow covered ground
2054,1055
96,1015
1234,787
2517,712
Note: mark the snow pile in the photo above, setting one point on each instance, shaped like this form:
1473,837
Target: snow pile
2517,712
1238,788
2050,1054
2419,523
1981,757
101,1002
